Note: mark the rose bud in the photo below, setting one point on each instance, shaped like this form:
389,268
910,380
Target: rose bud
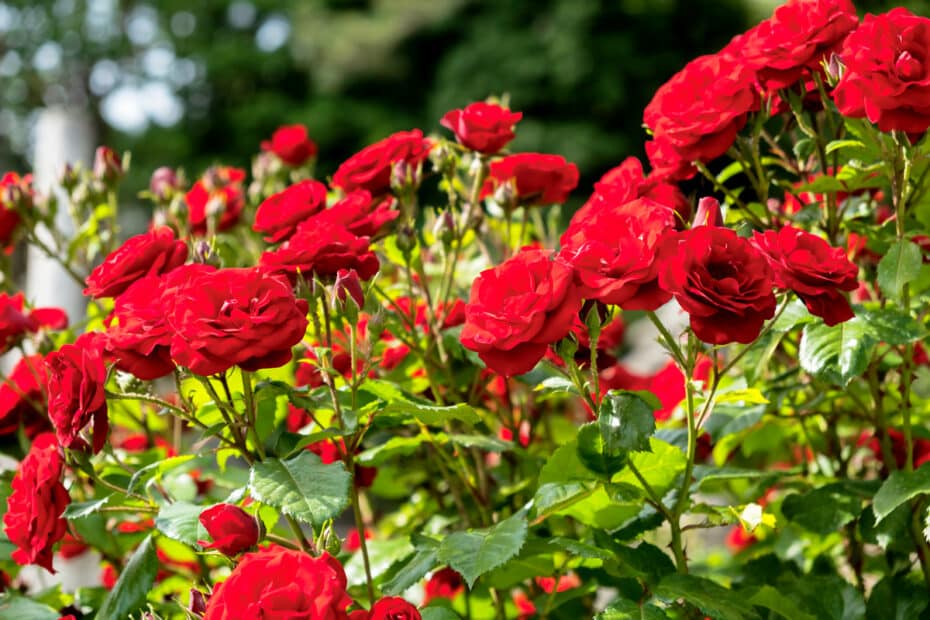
164,183
108,168
347,282
233,530
198,602
708,212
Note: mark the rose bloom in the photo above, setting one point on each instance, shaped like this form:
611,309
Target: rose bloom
292,144
232,529
76,378
613,251
15,322
537,179
138,336
388,608
627,182
233,317
279,583
360,214
323,249
15,193
516,310
151,253
443,583
218,192
22,398
793,42
815,271
279,215
482,127
33,519
887,76
370,169
696,115
721,280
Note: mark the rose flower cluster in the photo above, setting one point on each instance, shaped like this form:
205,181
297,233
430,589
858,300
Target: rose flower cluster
329,302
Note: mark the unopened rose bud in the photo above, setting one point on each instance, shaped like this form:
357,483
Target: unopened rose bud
375,325
406,238
405,177
834,69
506,194
198,602
204,253
108,168
164,183
329,541
444,229
264,165
348,285
69,177
708,212
232,529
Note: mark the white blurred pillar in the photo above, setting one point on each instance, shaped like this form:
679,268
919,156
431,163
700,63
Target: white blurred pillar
62,135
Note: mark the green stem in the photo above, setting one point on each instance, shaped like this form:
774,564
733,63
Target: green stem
250,412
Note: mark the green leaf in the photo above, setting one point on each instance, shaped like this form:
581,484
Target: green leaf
22,608
382,555
836,145
302,487
482,442
134,583
659,467
824,510
180,521
900,487
424,560
83,509
438,612
890,325
564,465
156,470
644,561
711,598
433,415
395,446
626,422
898,267
593,452
794,314
785,606
476,552
555,496
624,609
839,353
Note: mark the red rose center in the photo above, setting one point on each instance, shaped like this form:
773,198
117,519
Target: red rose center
908,67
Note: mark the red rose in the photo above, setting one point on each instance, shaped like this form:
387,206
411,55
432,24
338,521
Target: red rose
291,144
815,271
516,310
482,127
887,75
613,251
627,182
151,253
721,280
232,529
279,583
444,583
16,193
792,43
233,317
537,179
370,169
696,115
76,378
15,323
138,336
218,194
362,215
33,519
558,584
22,398
279,215
323,249
393,608
108,168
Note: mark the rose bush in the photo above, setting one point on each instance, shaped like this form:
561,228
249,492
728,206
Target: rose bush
409,392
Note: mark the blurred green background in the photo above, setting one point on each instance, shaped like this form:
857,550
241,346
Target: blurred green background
192,83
